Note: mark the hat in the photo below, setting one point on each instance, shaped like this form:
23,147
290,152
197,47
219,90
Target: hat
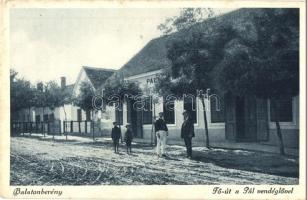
128,124
114,122
185,112
161,113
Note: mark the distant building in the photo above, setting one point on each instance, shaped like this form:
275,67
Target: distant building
93,75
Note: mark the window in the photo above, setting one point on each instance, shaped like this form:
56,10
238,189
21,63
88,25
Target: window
281,109
51,117
119,114
37,118
79,115
169,110
190,105
46,117
88,115
147,111
217,109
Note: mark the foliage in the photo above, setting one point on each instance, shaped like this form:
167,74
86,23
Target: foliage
21,92
186,18
267,64
255,55
116,86
55,96
85,97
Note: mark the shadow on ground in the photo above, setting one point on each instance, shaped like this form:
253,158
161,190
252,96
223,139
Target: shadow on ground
267,163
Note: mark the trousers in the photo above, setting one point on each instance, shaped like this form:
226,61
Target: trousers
161,142
188,145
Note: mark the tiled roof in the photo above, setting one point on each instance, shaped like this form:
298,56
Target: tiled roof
98,76
154,55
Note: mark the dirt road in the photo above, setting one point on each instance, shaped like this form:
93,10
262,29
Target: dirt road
79,161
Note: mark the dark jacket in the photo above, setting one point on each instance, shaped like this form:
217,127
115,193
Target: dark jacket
160,125
128,135
116,133
187,129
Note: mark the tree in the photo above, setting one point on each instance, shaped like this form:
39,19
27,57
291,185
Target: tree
116,90
21,95
193,52
186,18
267,64
53,94
66,98
84,99
256,55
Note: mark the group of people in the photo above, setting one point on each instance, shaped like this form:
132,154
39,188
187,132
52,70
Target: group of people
161,130
116,135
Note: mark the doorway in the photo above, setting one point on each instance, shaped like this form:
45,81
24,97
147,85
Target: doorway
246,119
134,117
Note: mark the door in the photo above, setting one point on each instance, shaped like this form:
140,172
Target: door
134,117
241,118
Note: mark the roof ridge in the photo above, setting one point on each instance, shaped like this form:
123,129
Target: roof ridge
99,68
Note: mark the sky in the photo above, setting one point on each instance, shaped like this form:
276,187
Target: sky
46,44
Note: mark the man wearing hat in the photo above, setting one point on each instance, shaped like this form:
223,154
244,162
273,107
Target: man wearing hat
115,134
187,132
128,138
161,133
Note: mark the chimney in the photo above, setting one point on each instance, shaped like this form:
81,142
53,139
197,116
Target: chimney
40,86
63,82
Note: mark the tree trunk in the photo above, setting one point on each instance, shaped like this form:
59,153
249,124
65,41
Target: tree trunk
29,109
43,124
281,142
278,131
205,122
92,123
65,115
30,121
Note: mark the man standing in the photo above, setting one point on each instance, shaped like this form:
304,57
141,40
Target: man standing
161,133
115,134
187,132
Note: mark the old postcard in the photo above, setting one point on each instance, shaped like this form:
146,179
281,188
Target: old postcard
153,100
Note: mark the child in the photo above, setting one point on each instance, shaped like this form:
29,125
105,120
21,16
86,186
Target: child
128,138
116,133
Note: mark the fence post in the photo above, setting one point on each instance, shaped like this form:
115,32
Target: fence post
92,128
85,127
71,127
30,128
60,128
79,126
43,126
23,127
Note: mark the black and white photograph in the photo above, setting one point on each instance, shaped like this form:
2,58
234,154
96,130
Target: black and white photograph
155,96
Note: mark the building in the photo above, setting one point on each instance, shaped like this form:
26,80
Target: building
245,119
69,112
235,119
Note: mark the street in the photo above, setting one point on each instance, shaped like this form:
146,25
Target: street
80,161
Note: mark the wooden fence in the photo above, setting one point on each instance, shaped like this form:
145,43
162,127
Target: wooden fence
82,128
57,127
49,127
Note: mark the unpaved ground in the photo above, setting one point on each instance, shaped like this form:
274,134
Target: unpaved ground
79,161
